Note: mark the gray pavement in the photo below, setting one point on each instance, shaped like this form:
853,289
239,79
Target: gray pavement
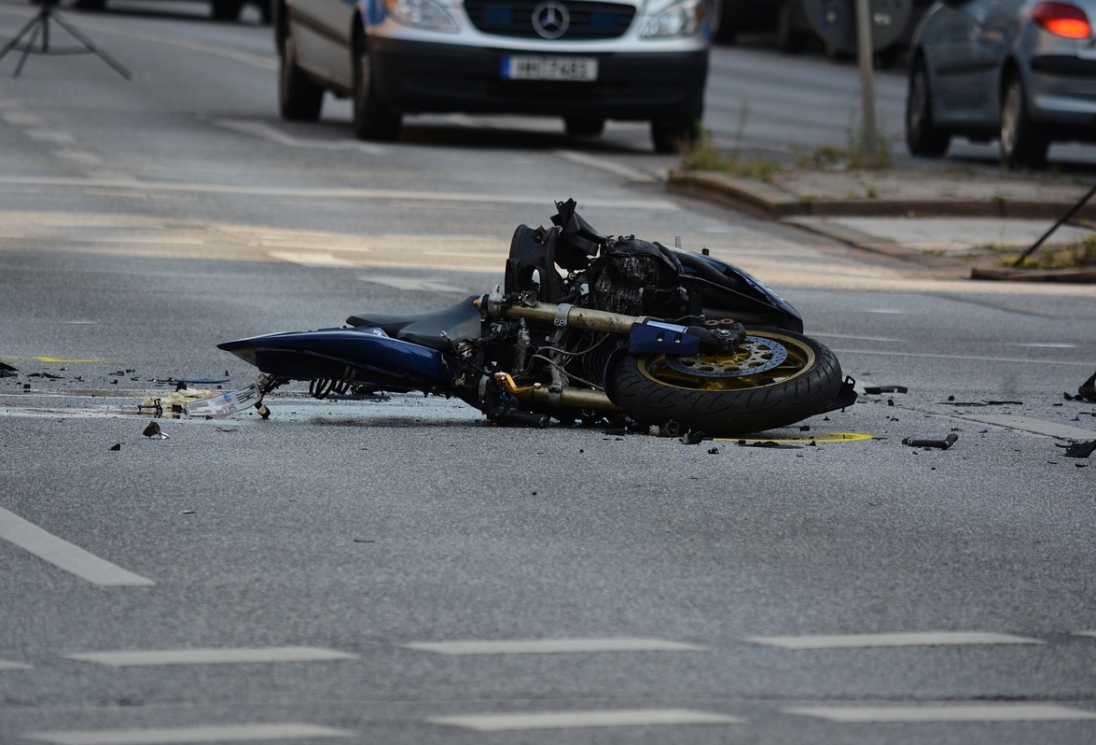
953,220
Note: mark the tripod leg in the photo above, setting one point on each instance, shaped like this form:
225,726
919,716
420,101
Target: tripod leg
11,44
92,48
27,48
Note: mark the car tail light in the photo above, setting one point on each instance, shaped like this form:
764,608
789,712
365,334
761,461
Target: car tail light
1062,19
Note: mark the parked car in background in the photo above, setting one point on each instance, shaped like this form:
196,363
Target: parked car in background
733,17
1023,71
583,60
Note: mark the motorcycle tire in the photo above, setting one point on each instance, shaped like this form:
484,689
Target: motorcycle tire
775,379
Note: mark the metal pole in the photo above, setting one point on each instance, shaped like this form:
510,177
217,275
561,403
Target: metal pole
865,53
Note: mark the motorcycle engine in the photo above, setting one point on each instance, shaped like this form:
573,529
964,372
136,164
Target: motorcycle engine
637,278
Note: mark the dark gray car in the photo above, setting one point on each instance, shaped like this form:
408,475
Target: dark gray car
1023,71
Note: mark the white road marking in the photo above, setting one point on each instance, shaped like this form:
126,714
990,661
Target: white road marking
228,733
828,335
53,136
1085,633
553,646
1044,345
913,639
573,719
396,195
310,258
63,554
22,118
944,713
210,656
616,169
79,156
410,285
7,665
1036,426
273,134
969,357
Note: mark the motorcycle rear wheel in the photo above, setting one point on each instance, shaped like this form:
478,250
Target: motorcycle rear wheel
776,378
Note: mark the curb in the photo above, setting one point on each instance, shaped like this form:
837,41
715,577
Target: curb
766,201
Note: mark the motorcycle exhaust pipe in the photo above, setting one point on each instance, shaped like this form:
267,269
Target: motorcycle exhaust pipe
566,397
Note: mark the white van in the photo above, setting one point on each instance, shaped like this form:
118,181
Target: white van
583,60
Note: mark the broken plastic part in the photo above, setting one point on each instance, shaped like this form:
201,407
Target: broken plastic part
944,444
1079,449
224,404
876,389
7,371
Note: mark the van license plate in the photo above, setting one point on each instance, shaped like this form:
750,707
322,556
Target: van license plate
549,68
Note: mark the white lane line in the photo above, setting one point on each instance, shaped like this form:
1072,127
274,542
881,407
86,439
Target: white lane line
316,259
80,156
1085,633
978,358
553,646
944,713
210,656
616,169
574,719
63,554
915,639
272,134
7,665
396,195
1035,426
410,285
22,118
53,136
229,733
1045,345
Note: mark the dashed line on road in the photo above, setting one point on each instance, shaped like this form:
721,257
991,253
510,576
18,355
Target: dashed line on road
630,174
266,132
552,646
1034,426
579,719
226,733
408,284
63,554
909,639
312,259
8,665
210,656
943,713
964,357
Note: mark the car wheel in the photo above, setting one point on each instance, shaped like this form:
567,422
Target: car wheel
584,126
674,136
227,10
1022,142
373,120
299,98
923,137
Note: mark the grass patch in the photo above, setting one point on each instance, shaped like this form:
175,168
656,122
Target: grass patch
703,155
1074,256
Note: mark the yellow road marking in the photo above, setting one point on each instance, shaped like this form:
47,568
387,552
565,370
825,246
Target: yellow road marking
807,437
66,360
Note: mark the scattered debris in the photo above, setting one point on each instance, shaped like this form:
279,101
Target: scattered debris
944,444
1079,449
187,512
116,447
1087,391
713,451
7,371
47,376
877,389
153,432
693,437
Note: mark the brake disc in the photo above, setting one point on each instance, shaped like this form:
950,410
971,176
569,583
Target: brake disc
756,355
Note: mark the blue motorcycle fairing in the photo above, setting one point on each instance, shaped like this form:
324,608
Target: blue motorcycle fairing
360,355
657,337
743,284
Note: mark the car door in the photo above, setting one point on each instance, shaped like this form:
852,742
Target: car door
963,53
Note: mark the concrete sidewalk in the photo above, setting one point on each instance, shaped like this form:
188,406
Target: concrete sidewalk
959,223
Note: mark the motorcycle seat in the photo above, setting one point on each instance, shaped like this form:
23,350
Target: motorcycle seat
436,329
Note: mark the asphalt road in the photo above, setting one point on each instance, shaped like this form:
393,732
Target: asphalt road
322,574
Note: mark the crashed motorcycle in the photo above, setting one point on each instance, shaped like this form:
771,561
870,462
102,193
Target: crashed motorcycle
586,328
